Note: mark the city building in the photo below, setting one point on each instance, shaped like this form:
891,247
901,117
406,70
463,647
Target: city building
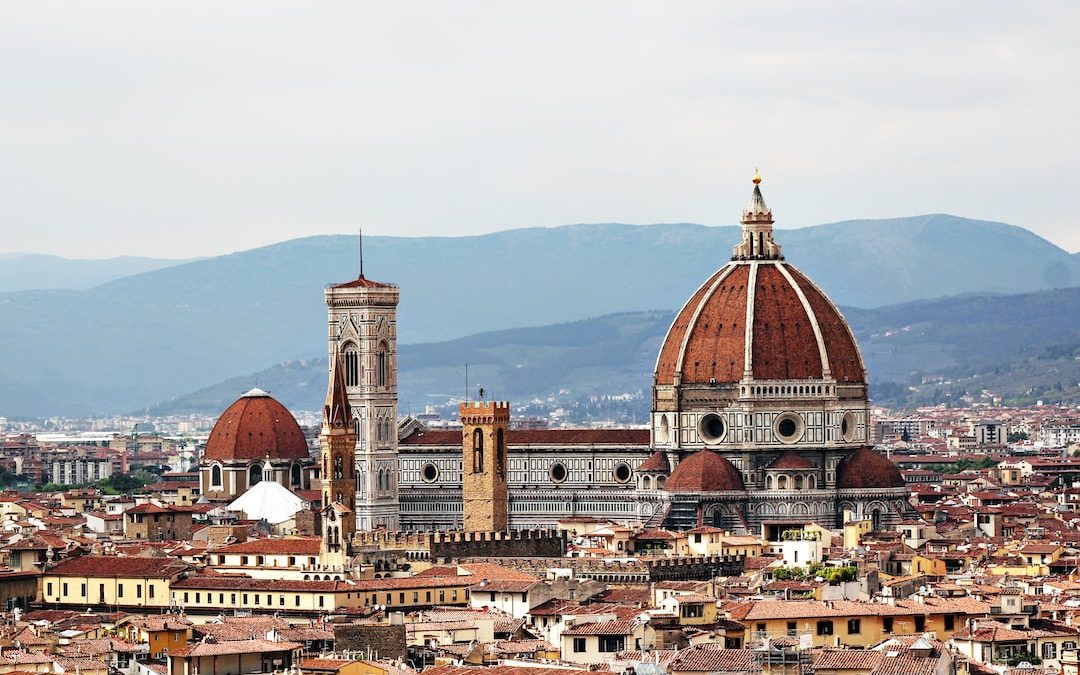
760,419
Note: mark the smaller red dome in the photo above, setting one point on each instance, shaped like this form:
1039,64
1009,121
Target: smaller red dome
705,471
256,426
866,469
791,460
656,463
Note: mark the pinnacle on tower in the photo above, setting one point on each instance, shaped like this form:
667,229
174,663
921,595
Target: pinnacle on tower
337,411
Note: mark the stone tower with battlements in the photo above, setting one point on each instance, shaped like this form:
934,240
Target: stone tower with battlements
337,441
484,493
362,330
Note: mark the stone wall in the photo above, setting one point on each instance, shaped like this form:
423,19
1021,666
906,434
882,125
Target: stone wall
384,641
447,546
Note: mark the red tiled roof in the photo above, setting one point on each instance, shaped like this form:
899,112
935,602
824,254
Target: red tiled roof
363,282
255,427
714,660
845,361
705,471
657,461
154,508
791,460
118,566
601,628
306,546
324,664
719,333
227,582
866,469
236,647
501,670
706,342
518,437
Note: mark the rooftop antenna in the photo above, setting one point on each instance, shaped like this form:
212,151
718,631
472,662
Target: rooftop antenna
361,251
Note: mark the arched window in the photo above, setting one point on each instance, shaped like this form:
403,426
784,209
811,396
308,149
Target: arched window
811,482
798,482
215,476
254,474
380,364
768,482
296,474
352,364
356,428
339,468
781,483
478,451
500,452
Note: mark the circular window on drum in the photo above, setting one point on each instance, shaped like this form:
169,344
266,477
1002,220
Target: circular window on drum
712,428
847,426
622,473
430,473
789,428
557,473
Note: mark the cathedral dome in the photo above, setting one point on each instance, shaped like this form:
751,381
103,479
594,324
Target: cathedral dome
758,316
866,469
705,471
256,426
795,332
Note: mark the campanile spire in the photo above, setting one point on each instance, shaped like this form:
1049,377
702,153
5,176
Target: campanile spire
757,240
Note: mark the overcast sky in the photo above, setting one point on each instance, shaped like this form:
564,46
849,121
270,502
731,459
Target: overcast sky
197,128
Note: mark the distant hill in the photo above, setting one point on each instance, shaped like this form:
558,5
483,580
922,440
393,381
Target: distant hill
30,271
612,354
132,342
1023,347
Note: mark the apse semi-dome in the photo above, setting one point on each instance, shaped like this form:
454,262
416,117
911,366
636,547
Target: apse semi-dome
256,426
866,469
705,471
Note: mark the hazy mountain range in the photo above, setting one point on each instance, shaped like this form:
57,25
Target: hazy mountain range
30,271
1024,347
139,340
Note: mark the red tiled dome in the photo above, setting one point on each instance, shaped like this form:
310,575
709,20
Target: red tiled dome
707,341
705,471
656,463
866,469
791,460
254,427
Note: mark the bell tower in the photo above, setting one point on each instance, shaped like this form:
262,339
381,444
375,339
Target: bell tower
362,328
484,494
337,441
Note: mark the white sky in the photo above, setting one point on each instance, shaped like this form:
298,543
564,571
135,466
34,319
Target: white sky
203,127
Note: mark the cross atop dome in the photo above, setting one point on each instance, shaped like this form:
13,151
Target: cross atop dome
757,241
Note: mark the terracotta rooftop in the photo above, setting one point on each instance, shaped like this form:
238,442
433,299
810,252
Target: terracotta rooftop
118,566
300,546
867,469
235,647
362,282
706,343
254,427
705,471
519,437
657,461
